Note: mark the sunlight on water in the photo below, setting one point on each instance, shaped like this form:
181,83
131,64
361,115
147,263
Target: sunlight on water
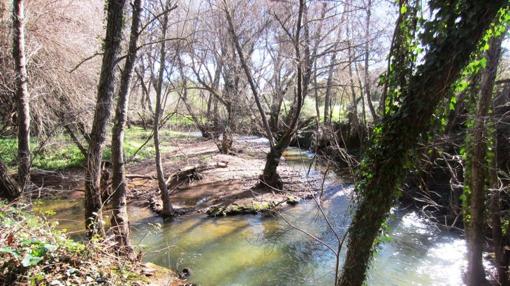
260,250
419,254
447,260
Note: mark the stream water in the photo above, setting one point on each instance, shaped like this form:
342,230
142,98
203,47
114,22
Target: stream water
263,250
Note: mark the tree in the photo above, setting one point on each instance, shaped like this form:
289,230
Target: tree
22,95
58,98
119,220
401,58
213,58
499,181
382,171
366,73
105,93
303,71
331,72
477,180
163,188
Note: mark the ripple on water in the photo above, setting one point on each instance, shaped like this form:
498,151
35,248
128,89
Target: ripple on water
257,250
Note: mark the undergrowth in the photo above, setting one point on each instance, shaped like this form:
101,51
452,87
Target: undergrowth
33,252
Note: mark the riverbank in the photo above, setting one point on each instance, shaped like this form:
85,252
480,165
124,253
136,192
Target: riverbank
227,186
34,252
221,185
261,249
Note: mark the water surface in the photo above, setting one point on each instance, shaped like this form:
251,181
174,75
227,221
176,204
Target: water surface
266,250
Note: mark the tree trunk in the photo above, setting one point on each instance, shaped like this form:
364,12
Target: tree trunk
478,179
22,95
212,109
277,98
331,72
367,56
362,97
384,165
499,240
318,129
353,119
9,189
120,219
315,83
354,122
500,183
93,201
230,90
165,196
227,140
270,176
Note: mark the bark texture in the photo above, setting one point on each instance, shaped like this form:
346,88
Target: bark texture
384,164
9,189
500,231
366,77
105,92
165,196
475,274
120,220
22,95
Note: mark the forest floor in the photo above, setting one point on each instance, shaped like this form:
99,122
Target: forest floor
226,187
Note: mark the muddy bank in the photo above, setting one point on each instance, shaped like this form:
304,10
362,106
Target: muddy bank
227,187
230,187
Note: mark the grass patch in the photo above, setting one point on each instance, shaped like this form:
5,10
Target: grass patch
57,155
61,153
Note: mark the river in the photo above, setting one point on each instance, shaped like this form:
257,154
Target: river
266,250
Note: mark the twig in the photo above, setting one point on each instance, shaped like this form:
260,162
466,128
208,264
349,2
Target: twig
85,60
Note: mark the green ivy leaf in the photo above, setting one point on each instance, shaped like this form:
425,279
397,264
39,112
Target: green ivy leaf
403,9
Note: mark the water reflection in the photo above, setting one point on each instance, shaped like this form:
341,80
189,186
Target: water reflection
261,250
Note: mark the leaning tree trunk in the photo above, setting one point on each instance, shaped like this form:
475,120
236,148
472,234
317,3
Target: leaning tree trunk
165,195
22,95
354,120
477,182
383,168
248,75
120,219
9,188
105,91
